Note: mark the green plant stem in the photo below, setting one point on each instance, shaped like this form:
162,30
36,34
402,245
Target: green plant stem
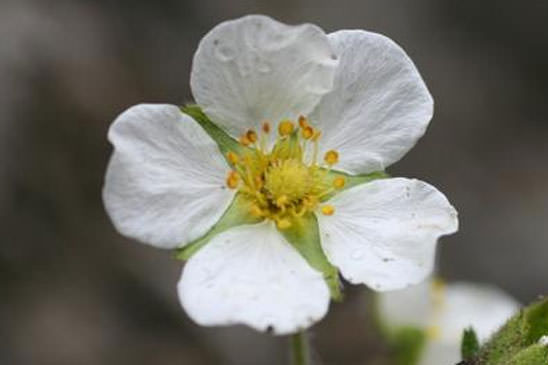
299,349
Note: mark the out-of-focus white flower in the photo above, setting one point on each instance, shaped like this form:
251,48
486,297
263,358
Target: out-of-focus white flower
274,209
443,312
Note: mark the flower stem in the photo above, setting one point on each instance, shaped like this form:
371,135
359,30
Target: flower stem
299,349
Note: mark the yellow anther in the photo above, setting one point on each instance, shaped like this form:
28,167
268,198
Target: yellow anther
285,128
307,132
303,122
331,157
251,136
244,140
283,223
282,200
328,210
433,332
232,157
266,127
317,135
232,179
258,182
255,211
339,182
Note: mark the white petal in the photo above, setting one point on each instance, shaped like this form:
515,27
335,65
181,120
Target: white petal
411,306
254,68
379,106
384,233
251,275
483,307
451,310
440,353
165,181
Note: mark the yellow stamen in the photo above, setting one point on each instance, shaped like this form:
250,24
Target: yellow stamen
266,127
286,181
251,136
244,140
283,223
232,180
256,211
339,182
328,210
282,200
308,132
331,157
316,135
232,157
285,128
259,182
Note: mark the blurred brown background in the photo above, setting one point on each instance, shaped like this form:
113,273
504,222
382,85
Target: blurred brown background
76,292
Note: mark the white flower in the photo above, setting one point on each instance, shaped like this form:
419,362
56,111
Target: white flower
265,224
443,312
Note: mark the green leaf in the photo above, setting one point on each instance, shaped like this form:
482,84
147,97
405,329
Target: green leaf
304,235
408,345
225,142
236,214
469,346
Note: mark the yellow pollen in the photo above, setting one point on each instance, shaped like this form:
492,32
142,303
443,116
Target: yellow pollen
266,127
232,157
328,210
232,179
285,128
339,182
331,157
288,180
307,132
251,136
283,223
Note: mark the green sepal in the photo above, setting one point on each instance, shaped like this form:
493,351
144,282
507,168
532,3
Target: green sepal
304,235
520,332
225,142
469,346
236,214
536,320
536,354
407,344
352,180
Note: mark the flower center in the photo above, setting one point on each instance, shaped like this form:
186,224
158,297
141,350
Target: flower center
285,182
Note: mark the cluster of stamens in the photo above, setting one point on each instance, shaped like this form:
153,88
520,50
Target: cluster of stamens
284,182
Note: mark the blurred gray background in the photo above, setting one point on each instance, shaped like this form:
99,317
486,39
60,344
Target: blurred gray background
76,292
